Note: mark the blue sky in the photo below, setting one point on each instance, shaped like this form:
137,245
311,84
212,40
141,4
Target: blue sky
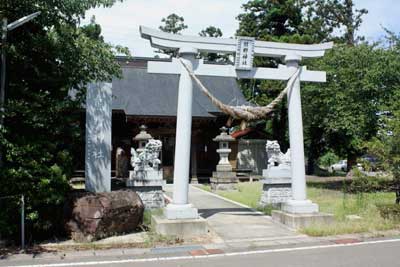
120,23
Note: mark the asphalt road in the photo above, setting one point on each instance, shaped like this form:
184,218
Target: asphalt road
383,253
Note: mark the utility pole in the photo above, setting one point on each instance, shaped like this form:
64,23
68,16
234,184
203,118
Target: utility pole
2,76
5,28
23,222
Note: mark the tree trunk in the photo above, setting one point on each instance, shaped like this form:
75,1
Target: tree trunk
351,161
310,165
349,22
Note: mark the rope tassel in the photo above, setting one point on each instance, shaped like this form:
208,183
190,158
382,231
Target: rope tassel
247,113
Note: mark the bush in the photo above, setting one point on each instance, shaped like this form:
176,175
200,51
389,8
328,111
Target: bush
44,189
363,183
328,159
389,211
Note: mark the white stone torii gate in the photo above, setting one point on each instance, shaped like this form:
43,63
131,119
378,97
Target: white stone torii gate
245,48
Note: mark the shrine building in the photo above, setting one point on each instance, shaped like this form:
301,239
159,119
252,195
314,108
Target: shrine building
141,98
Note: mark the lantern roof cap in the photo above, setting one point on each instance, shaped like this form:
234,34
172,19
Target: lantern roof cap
224,136
143,135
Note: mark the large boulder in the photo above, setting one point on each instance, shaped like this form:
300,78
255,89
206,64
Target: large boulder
94,216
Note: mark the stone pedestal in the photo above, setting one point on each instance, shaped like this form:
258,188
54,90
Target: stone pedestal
194,180
181,212
223,180
276,191
149,186
300,206
277,181
146,174
278,172
182,228
301,220
224,168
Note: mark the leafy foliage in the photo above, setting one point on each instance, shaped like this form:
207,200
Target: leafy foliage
301,21
214,32
269,19
211,31
172,24
389,211
363,183
386,145
341,114
47,57
328,159
328,15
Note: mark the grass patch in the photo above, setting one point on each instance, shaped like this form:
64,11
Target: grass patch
152,238
246,193
342,204
147,216
206,187
330,201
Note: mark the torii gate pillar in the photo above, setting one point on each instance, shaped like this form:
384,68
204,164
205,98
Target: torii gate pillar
299,202
180,207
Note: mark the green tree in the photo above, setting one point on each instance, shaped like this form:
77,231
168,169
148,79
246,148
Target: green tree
324,16
172,24
47,57
341,114
386,145
212,31
93,30
269,19
328,159
301,21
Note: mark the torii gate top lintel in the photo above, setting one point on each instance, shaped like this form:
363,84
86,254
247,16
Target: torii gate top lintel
165,40
244,48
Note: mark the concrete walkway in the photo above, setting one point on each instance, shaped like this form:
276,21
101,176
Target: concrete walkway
238,225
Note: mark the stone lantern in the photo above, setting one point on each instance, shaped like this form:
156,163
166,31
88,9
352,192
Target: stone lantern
223,178
142,138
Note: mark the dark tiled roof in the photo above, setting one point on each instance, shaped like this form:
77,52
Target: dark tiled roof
143,94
